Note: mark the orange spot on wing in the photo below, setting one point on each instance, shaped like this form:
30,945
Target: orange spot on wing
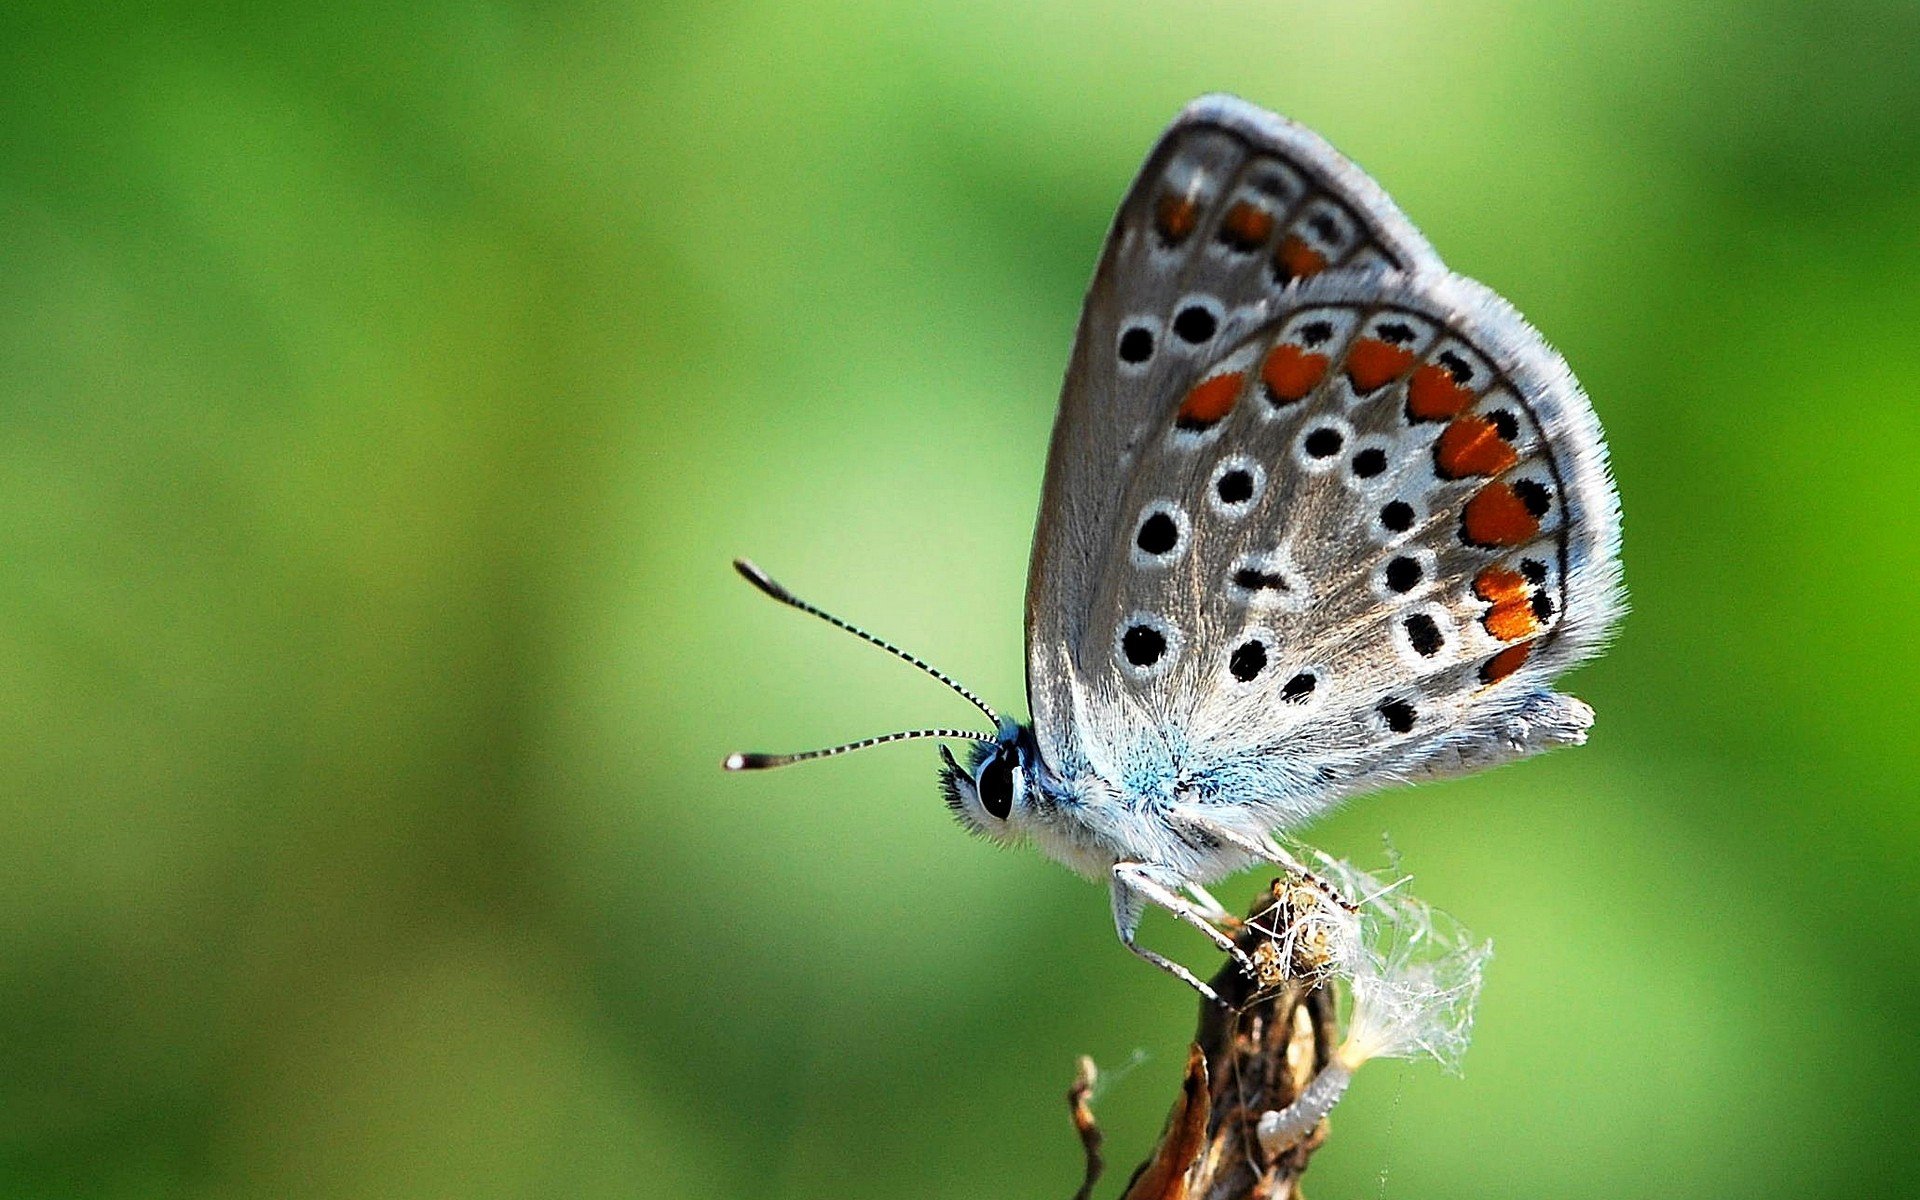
1246,226
1497,517
1511,620
1470,445
1505,663
1433,395
1176,216
1499,584
1373,362
1209,401
1290,373
1511,617
1294,259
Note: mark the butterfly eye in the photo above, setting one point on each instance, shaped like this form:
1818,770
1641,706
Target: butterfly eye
996,785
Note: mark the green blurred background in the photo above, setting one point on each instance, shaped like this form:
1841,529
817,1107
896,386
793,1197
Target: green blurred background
386,387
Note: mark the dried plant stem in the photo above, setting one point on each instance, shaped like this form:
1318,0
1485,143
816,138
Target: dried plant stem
1255,1058
1079,1097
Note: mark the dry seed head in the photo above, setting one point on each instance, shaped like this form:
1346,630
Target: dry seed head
1305,931
1270,967
1414,978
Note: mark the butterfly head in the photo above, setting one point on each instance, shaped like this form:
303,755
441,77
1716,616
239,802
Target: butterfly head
992,794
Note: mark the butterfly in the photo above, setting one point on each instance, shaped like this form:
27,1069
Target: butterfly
1320,515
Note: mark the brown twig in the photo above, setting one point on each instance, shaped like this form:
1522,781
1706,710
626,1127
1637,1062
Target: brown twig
1079,1098
1258,1055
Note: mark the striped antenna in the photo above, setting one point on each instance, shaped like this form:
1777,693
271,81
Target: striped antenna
765,583
762,762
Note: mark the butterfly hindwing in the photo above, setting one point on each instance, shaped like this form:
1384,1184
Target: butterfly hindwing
1234,208
1370,531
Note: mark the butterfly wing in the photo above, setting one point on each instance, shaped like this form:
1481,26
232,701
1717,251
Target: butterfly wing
1233,206
1351,541
1394,529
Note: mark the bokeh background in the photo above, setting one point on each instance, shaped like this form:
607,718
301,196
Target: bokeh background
386,386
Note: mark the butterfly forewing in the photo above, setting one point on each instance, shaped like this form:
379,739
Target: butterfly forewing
1234,208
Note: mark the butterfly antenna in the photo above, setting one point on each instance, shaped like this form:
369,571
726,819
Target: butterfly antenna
765,583
762,762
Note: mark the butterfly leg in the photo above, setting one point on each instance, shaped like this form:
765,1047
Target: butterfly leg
1136,882
1265,850
1210,907
1127,907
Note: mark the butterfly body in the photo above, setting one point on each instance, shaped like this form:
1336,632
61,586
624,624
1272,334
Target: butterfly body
1320,516
1088,822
